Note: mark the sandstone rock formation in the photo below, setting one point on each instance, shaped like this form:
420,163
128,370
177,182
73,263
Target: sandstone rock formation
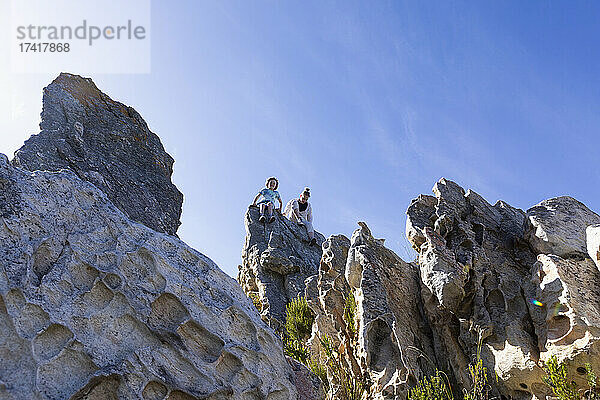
94,306
276,260
485,279
394,342
108,144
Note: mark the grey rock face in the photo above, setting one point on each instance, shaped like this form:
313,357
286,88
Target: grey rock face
276,260
94,306
558,226
326,292
485,276
475,267
108,144
308,385
392,345
394,341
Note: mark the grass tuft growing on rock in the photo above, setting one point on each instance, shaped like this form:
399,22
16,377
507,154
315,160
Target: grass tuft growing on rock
342,383
298,320
350,314
431,388
564,389
339,381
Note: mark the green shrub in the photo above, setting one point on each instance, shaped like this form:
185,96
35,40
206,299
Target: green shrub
298,319
437,387
295,349
338,380
592,380
298,326
479,376
347,385
479,382
320,371
256,300
350,314
556,378
432,388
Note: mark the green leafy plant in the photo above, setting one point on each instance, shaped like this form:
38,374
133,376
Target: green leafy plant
556,378
437,387
320,371
298,319
592,380
479,376
298,325
339,381
256,301
345,385
431,388
297,350
350,314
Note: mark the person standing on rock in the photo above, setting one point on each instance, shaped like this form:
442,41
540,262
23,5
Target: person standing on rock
267,204
300,211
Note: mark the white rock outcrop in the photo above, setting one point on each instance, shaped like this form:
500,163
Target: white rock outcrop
559,226
593,243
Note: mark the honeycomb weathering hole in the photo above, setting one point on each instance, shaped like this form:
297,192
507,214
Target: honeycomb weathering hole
167,313
201,342
380,346
154,391
558,327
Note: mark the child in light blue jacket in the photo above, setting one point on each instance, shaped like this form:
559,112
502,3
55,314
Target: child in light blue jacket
267,203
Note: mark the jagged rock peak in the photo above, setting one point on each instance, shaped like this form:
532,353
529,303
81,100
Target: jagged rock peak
95,306
276,260
108,144
521,283
388,347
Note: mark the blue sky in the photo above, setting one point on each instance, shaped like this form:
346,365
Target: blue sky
367,103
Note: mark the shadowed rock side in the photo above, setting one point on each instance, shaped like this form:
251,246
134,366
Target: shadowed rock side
93,306
108,144
481,270
276,260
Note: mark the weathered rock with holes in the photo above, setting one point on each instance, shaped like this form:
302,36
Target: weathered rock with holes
558,226
522,283
387,344
94,306
475,267
394,344
108,144
326,294
276,260
569,299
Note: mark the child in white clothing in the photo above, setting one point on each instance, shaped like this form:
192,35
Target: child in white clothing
300,210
